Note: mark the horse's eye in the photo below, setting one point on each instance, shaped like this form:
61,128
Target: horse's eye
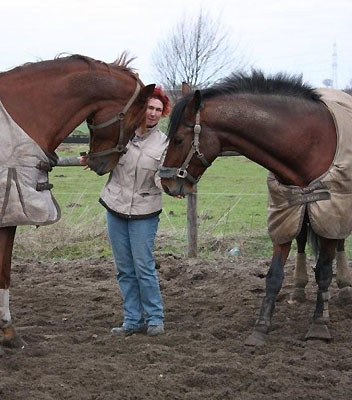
177,141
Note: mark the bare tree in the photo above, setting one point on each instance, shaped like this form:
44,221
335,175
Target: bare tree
197,52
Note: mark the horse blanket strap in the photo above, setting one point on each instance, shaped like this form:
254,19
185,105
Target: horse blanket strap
25,196
47,166
44,186
317,191
44,166
328,199
308,198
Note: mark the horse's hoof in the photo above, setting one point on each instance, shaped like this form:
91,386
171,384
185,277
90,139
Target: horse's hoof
345,296
318,331
256,339
14,343
297,296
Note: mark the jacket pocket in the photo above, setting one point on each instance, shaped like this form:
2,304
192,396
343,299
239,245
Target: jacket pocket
149,192
150,161
111,191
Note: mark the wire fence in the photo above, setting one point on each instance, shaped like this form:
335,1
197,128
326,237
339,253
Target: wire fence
225,218
219,212
231,213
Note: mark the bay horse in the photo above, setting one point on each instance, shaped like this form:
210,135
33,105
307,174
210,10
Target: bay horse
284,125
44,102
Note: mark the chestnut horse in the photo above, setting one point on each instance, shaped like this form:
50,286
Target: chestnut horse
47,100
283,125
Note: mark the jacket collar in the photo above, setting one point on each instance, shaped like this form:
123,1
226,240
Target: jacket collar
148,132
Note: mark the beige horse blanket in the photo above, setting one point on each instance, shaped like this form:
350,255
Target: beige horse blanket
328,199
25,196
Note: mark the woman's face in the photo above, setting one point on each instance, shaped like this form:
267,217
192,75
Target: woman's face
154,112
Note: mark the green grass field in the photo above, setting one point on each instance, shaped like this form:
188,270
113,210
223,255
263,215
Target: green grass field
232,199
231,212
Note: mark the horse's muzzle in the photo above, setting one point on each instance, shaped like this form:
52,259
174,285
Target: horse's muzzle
174,187
101,165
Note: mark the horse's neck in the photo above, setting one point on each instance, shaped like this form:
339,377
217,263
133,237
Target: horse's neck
43,109
281,136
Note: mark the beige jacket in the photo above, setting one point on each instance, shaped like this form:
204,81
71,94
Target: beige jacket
133,188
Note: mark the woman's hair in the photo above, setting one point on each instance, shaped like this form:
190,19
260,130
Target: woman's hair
162,96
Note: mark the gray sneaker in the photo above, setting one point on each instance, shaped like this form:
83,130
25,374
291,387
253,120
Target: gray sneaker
155,330
121,331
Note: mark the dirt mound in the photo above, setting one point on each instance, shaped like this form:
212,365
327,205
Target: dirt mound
65,310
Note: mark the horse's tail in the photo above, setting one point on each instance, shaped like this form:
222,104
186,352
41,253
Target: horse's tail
314,242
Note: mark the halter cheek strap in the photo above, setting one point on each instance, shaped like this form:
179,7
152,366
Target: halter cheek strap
166,172
120,147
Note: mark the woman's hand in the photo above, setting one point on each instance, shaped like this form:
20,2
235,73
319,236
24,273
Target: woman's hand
83,159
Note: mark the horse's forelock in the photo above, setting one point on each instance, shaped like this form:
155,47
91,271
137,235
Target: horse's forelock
176,115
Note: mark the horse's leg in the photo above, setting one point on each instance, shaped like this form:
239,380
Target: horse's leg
300,276
7,236
323,277
274,281
343,274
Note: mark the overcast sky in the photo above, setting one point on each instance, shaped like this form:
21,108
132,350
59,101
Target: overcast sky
294,36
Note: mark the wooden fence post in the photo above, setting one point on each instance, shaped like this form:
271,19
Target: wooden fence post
192,224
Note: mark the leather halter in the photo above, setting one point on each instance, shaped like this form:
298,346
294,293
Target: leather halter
120,147
166,172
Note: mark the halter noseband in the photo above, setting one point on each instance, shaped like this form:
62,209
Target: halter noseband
166,172
120,147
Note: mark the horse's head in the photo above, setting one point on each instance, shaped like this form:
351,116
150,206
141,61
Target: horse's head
192,147
112,125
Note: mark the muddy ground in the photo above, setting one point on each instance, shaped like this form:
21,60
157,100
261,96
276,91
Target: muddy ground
65,310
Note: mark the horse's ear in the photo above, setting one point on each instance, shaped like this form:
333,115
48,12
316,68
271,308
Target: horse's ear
146,92
186,88
194,104
197,98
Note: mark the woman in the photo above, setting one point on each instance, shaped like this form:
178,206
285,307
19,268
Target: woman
132,198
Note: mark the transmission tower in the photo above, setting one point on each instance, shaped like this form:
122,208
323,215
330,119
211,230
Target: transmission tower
334,66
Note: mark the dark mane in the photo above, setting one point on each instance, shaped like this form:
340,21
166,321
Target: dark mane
254,83
258,83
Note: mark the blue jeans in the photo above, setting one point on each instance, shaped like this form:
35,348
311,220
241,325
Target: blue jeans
132,243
